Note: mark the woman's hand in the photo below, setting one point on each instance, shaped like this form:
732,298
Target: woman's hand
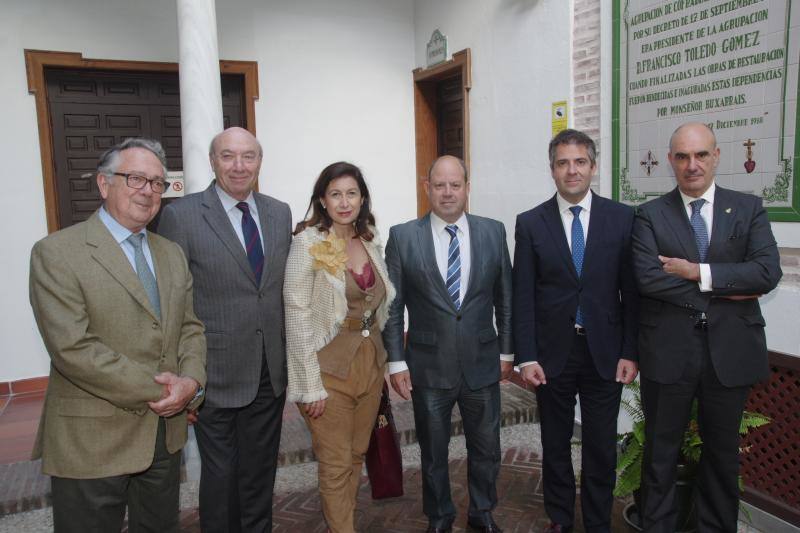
313,409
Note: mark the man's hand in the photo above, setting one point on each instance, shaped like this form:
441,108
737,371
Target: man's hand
506,368
741,297
626,371
533,374
681,268
191,416
180,392
313,409
401,383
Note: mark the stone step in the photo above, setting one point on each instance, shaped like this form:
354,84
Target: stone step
23,487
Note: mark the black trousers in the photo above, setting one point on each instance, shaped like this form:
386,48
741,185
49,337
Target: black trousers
667,408
239,457
480,413
98,505
599,404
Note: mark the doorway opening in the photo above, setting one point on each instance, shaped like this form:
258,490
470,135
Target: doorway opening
441,116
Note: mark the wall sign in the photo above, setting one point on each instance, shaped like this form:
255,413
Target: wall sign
732,64
436,49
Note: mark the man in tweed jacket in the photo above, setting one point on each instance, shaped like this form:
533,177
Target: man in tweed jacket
238,430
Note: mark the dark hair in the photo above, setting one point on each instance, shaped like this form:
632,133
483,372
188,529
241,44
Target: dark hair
570,136
317,217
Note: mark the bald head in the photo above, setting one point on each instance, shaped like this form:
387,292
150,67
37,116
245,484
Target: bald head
234,132
696,129
449,161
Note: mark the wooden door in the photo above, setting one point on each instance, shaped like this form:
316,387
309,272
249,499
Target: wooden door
92,110
450,114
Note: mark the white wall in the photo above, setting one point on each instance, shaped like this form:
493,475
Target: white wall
335,83
520,64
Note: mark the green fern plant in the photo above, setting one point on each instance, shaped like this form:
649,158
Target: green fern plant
629,461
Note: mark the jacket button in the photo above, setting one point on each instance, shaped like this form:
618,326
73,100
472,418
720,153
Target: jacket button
458,318
258,331
155,325
368,298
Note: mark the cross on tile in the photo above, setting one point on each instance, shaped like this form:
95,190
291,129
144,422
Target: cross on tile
649,162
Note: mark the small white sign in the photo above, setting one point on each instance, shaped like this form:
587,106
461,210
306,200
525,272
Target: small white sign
437,48
176,185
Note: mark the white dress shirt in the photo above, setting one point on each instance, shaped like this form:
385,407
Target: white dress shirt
235,214
707,214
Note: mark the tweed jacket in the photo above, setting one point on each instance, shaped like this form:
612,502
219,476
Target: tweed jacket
106,344
316,307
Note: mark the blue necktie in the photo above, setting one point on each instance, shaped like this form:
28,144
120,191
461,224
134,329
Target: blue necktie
145,274
252,241
699,228
578,247
454,267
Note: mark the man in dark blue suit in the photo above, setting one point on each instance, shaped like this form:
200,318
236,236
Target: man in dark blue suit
574,328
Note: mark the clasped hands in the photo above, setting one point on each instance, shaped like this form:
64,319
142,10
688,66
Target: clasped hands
176,394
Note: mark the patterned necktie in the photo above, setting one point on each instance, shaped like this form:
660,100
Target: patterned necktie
578,247
145,274
699,228
252,241
453,282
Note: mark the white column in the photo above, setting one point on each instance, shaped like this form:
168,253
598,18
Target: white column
201,96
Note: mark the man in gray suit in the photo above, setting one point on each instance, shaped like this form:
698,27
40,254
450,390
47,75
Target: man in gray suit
236,241
453,274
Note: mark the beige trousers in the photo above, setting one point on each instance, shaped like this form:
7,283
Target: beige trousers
340,437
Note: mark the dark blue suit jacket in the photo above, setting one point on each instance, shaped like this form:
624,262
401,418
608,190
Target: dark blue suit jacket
547,289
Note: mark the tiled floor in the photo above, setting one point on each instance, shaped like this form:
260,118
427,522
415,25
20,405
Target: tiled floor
19,418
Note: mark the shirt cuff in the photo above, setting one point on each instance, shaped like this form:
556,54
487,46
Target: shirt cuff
508,357
527,363
397,366
705,278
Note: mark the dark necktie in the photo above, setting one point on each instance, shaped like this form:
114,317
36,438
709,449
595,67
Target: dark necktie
578,247
145,274
454,267
699,228
252,241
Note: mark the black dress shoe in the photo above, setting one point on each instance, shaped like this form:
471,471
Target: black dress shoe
488,527
434,529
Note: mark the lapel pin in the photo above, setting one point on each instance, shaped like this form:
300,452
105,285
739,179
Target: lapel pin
728,210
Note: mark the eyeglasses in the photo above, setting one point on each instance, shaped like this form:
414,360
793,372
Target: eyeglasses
158,185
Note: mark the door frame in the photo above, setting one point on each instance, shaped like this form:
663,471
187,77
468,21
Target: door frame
425,118
37,60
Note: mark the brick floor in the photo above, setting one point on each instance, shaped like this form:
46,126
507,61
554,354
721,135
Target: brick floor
520,508
23,487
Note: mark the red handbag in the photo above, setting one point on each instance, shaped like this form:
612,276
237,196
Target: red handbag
384,460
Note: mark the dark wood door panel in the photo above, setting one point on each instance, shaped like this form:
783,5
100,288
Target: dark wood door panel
92,110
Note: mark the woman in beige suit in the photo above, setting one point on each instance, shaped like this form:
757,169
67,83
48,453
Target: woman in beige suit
337,294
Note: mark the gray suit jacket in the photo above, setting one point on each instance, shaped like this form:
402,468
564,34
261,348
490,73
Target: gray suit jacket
445,343
241,317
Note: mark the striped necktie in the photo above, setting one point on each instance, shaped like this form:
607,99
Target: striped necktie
252,241
453,282
578,247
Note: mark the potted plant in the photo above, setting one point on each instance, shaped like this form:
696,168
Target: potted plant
629,460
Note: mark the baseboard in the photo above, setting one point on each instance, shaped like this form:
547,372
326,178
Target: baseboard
23,386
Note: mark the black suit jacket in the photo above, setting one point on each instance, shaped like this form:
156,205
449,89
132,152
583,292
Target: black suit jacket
547,289
444,342
744,260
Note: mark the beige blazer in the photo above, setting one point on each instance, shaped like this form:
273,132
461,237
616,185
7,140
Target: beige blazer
105,345
316,306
